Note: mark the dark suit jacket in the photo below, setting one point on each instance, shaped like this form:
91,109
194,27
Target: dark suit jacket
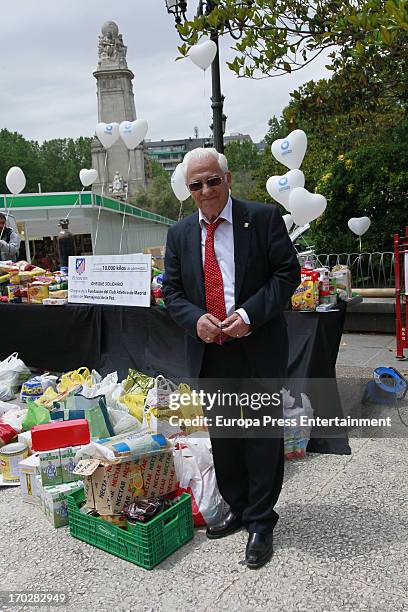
266,275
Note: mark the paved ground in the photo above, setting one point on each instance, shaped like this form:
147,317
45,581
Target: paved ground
341,543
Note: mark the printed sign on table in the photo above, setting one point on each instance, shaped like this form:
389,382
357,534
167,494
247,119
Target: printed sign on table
121,280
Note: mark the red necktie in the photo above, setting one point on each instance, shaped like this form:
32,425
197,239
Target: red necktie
214,286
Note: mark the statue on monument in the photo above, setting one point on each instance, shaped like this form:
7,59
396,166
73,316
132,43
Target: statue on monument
111,49
118,186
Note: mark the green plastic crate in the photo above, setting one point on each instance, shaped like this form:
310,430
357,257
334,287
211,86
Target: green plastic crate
147,544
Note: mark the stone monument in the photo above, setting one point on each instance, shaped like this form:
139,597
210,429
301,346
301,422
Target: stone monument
116,103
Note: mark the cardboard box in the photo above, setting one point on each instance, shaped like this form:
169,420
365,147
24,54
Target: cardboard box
153,475
50,467
157,254
29,470
109,488
68,463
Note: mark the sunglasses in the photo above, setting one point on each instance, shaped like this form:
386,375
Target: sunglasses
213,181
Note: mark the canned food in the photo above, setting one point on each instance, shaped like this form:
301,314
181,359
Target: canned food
10,457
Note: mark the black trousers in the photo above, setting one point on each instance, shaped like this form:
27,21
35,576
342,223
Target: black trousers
249,467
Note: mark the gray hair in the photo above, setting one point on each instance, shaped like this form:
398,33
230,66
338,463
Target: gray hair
201,153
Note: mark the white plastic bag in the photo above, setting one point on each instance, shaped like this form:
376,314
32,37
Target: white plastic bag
159,395
122,421
7,407
195,470
13,372
108,386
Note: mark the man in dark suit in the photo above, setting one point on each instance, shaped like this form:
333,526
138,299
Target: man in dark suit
230,270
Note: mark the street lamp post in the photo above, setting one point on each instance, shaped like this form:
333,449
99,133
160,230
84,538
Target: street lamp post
178,8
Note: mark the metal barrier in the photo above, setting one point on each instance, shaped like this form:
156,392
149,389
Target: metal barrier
368,270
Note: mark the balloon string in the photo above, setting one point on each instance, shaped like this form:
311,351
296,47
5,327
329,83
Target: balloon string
180,210
100,202
76,202
7,214
360,242
124,206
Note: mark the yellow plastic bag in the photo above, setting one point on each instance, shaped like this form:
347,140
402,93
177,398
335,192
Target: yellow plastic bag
135,404
191,410
74,378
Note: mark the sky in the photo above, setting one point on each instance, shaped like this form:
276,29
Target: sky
50,50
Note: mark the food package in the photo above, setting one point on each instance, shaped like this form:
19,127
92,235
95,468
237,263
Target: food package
125,447
296,436
306,296
35,387
342,274
54,504
60,435
54,302
92,409
37,293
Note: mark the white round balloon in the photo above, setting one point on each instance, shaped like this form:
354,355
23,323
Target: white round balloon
305,206
203,54
108,133
88,177
15,180
359,225
178,184
133,132
288,221
291,150
280,187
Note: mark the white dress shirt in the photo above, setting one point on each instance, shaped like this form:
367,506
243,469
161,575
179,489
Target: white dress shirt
224,252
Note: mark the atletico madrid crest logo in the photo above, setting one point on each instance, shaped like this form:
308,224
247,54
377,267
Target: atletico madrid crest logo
80,265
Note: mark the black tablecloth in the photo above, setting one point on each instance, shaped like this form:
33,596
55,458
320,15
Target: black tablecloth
110,338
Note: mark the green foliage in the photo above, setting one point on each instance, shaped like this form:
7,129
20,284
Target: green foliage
159,196
357,157
243,161
55,163
282,36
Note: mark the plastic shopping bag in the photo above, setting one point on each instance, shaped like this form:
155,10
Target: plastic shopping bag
74,378
195,470
13,372
94,410
36,415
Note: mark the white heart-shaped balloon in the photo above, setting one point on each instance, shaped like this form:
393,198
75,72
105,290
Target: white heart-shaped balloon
108,133
359,225
279,187
133,132
178,184
203,54
15,180
288,221
291,150
87,177
305,206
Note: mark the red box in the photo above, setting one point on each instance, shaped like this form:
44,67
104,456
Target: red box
60,434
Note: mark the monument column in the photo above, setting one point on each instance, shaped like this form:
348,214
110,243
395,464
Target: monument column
116,103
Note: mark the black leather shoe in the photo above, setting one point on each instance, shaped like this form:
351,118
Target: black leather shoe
259,549
229,525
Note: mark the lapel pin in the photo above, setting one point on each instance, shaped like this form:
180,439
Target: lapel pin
246,225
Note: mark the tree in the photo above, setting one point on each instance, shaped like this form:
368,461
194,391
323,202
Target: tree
159,197
243,161
55,163
280,36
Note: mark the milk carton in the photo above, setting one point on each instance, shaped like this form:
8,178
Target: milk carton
55,505
50,467
68,463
